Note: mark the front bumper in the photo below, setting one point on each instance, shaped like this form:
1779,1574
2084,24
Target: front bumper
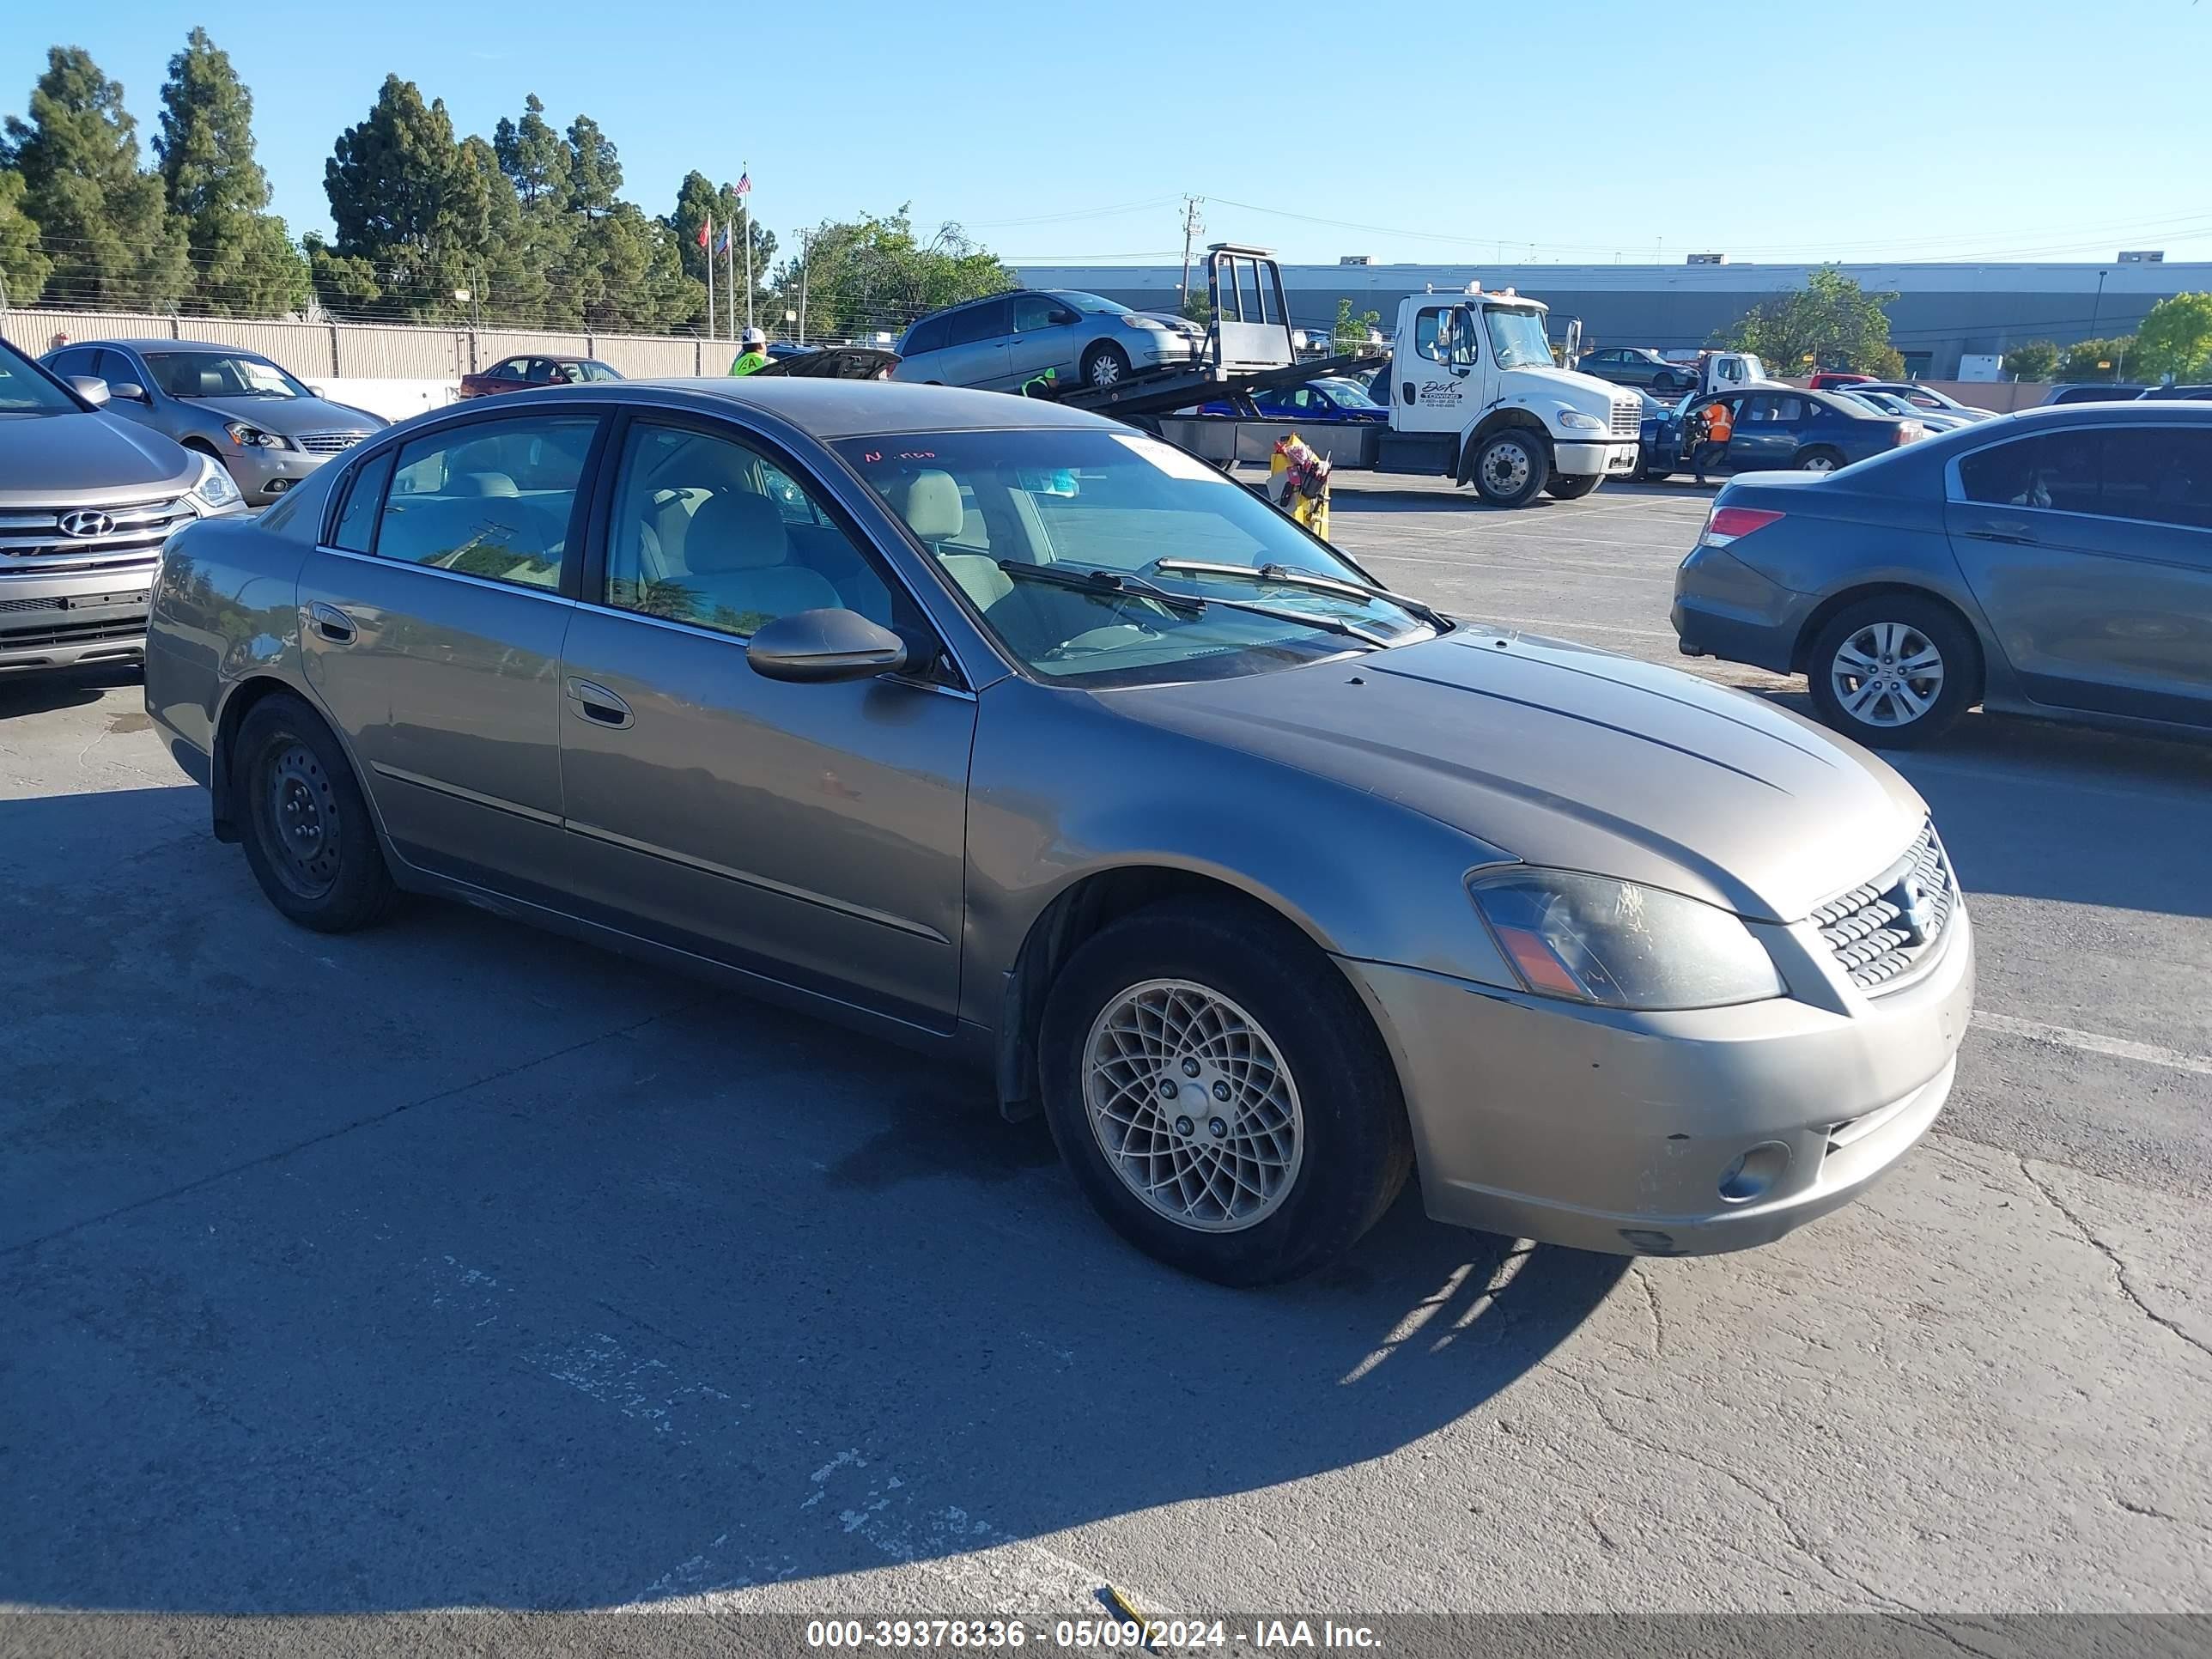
61,620
263,475
1615,458
1148,351
1615,1132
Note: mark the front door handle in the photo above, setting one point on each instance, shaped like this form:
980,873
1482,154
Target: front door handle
332,623
2018,535
599,705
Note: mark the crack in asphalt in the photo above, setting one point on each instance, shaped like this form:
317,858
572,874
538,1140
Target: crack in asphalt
281,1152
1651,1302
2119,1267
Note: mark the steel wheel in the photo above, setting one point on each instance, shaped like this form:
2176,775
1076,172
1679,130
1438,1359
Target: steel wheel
1505,468
1887,674
1192,1106
301,827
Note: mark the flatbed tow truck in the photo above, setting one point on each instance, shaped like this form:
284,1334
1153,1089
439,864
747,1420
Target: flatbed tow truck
1474,393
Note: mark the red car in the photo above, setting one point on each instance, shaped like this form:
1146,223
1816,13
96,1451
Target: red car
1827,379
535,368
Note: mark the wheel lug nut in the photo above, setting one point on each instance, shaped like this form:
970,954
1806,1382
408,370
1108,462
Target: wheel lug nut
1185,1126
1221,1092
1190,1068
1168,1090
1220,1130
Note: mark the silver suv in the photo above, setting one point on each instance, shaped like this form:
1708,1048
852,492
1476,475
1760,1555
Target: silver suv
267,429
86,502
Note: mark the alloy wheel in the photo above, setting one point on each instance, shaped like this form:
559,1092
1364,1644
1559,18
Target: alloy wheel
1505,467
1192,1105
1888,674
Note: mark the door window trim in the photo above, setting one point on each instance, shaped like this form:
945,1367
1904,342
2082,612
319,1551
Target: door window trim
592,573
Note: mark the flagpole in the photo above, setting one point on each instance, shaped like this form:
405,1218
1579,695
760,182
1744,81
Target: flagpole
806,252
709,245
730,270
745,205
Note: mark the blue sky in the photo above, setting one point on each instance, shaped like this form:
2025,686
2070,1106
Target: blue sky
2019,131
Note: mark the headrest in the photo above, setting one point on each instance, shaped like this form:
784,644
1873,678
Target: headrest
737,530
213,383
931,509
482,483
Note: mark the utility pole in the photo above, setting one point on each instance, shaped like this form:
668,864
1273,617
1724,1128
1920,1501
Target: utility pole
1192,224
805,258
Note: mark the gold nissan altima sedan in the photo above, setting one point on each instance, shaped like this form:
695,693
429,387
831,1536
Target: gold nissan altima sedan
1024,738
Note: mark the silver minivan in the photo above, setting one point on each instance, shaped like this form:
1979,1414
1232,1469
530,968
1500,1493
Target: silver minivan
1004,342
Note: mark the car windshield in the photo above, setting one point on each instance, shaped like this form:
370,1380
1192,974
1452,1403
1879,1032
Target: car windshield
24,390
1350,394
1038,527
216,375
1517,337
1091,303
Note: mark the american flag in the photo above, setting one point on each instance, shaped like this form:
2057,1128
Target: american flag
744,184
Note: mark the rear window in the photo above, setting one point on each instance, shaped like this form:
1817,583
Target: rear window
981,322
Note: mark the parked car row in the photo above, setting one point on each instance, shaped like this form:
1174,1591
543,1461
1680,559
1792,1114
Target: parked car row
1772,426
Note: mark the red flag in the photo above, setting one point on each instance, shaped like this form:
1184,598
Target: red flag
706,229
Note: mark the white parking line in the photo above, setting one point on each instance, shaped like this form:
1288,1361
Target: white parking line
2091,1042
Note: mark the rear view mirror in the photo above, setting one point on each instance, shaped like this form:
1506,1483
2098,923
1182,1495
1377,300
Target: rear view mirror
815,647
90,387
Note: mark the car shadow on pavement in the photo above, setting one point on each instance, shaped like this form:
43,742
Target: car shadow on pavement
450,1264
21,695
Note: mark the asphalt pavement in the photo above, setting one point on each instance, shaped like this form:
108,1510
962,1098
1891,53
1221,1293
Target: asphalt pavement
452,1266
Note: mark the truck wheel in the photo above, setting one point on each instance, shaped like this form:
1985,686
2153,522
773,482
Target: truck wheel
1511,466
1220,1095
1572,489
1105,364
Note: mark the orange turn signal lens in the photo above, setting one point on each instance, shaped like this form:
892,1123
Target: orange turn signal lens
1538,966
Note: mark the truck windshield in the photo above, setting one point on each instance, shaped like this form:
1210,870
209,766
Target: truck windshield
1517,337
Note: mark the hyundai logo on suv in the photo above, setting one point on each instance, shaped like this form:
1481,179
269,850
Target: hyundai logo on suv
86,524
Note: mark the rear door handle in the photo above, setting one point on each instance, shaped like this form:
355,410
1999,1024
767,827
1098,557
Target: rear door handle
596,703
2018,535
332,623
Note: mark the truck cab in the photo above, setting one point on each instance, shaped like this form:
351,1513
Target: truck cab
1475,395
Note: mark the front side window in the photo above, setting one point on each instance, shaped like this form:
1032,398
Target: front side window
492,498
1037,310
1023,523
219,374
707,531
2159,475
1445,334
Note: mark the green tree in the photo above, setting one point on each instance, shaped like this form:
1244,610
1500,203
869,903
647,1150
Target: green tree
23,268
1830,323
870,273
2032,360
1353,330
533,154
102,223
696,202
1198,308
2098,360
595,173
2175,338
408,206
244,259
507,278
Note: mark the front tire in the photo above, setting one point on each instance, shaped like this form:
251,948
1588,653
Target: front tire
1105,364
307,835
1220,1095
1572,489
1893,672
1510,467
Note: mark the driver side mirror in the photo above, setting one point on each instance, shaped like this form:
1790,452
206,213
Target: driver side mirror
818,648
129,391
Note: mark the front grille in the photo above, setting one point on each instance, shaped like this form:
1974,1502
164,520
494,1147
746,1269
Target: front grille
91,633
1879,929
328,443
32,538
1627,420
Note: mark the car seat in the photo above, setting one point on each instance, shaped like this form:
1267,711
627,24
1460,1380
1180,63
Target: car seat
738,559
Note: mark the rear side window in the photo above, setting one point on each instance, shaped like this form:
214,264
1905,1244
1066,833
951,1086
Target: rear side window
2059,470
491,498
983,322
356,526
927,335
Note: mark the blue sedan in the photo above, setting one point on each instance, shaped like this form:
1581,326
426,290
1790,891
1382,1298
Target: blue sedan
1331,400
1776,428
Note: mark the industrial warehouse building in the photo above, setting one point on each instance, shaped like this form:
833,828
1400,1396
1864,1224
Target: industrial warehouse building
1941,312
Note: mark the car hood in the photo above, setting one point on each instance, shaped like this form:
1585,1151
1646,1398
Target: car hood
1563,755
289,417
54,460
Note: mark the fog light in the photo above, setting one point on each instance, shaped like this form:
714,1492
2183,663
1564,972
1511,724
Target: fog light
1753,1172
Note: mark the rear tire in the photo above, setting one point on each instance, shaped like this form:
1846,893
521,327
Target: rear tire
1105,364
1572,489
1510,467
307,834
1219,1093
1893,672
1819,458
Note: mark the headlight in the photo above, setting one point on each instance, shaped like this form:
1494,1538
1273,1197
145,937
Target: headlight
252,437
1575,421
215,489
1152,323
1590,939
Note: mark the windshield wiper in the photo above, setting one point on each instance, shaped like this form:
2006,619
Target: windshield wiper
1117,584
1290,575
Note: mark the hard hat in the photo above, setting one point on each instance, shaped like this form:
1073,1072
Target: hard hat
753,337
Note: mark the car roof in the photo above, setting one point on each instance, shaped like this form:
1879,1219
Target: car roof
852,409
158,342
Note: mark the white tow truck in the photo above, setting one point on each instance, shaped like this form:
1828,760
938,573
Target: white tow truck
1473,392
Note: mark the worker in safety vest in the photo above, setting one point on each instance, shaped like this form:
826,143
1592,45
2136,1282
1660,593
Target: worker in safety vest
755,356
1717,427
